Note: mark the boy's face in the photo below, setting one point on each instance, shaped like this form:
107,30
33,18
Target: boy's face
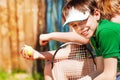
87,27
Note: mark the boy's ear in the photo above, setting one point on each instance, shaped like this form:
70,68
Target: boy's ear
97,14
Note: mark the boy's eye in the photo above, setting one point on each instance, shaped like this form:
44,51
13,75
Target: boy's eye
74,26
82,22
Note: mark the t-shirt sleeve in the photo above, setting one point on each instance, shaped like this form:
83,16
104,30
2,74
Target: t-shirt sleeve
108,42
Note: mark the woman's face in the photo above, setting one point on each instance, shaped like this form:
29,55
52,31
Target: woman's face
85,28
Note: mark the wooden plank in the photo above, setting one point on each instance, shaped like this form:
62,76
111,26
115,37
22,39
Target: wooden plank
41,28
5,34
35,20
21,34
23,63
42,16
0,34
20,22
28,22
28,32
14,34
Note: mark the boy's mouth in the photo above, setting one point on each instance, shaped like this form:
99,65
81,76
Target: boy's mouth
85,31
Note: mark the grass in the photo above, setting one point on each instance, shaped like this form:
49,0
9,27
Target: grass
20,76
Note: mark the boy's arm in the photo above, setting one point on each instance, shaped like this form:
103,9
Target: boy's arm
62,37
31,54
47,55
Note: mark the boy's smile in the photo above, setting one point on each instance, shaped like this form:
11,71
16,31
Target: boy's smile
80,27
85,28
85,31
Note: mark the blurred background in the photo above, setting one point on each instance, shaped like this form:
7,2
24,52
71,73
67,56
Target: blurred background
21,22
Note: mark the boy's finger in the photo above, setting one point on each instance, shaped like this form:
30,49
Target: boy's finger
43,42
21,50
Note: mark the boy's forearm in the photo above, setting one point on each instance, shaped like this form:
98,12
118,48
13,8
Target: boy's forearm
43,55
68,37
60,36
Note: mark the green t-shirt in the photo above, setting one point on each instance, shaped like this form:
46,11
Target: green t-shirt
107,40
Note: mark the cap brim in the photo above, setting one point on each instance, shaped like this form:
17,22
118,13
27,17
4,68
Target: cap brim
76,15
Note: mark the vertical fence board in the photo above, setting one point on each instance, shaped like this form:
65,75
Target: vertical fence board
25,29
42,18
20,23
13,29
0,34
28,22
28,30
34,19
21,33
0,45
41,28
5,43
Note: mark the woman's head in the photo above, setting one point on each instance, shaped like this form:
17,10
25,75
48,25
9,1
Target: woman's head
109,8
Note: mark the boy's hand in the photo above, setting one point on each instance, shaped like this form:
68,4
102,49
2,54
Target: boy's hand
27,52
44,39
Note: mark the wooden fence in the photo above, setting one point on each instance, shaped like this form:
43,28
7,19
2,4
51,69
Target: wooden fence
21,21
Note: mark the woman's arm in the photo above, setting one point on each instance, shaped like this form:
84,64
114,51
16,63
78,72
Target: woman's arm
110,70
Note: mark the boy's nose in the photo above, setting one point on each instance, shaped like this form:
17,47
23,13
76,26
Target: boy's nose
81,27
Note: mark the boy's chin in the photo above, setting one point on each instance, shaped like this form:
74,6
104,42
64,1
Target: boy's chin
88,36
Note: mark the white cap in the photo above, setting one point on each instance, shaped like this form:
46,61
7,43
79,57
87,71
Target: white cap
76,15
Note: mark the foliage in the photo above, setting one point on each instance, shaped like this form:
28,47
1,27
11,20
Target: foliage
20,75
